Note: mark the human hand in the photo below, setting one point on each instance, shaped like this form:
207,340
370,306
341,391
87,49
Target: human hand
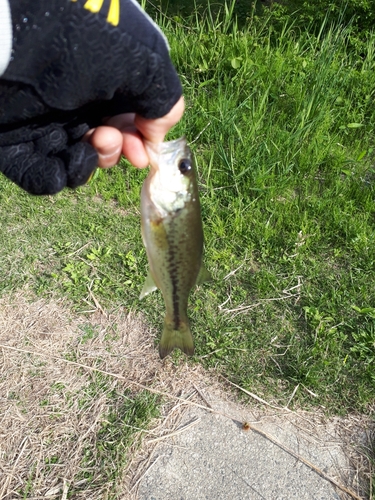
123,135
61,81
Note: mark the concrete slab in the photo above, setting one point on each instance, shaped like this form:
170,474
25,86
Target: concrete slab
217,460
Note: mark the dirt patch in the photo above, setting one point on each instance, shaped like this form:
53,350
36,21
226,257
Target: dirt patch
50,418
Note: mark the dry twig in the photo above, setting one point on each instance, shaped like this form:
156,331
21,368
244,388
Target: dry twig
96,302
175,433
254,396
145,472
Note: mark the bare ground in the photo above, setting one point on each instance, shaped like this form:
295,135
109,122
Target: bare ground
49,419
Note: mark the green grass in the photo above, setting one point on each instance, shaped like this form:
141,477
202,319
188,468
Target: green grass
109,454
283,131
286,165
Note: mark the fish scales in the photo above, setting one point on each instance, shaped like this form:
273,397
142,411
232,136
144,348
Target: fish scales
173,236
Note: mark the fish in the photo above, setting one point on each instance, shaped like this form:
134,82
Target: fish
172,234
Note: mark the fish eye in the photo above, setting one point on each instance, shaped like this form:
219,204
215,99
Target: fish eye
184,166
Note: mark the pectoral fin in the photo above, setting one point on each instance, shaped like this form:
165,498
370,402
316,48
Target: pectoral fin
203,275
148,287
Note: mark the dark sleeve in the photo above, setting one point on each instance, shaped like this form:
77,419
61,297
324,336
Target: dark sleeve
72,56
74,62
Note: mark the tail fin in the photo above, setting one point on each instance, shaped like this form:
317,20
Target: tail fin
171,339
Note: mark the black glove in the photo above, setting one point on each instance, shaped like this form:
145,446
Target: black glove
69,68
43,154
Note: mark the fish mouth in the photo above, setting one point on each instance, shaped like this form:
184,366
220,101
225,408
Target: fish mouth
169,188
168,146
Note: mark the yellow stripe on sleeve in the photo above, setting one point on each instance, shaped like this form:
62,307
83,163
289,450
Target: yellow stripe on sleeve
114,12
93,5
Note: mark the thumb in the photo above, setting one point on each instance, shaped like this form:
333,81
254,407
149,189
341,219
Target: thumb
154,130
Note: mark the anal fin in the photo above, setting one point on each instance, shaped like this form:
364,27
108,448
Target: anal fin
148,287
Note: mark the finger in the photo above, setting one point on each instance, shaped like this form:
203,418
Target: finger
133,148
132,142
108,142
155,130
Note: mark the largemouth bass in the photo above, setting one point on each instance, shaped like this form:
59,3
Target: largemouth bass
173,236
